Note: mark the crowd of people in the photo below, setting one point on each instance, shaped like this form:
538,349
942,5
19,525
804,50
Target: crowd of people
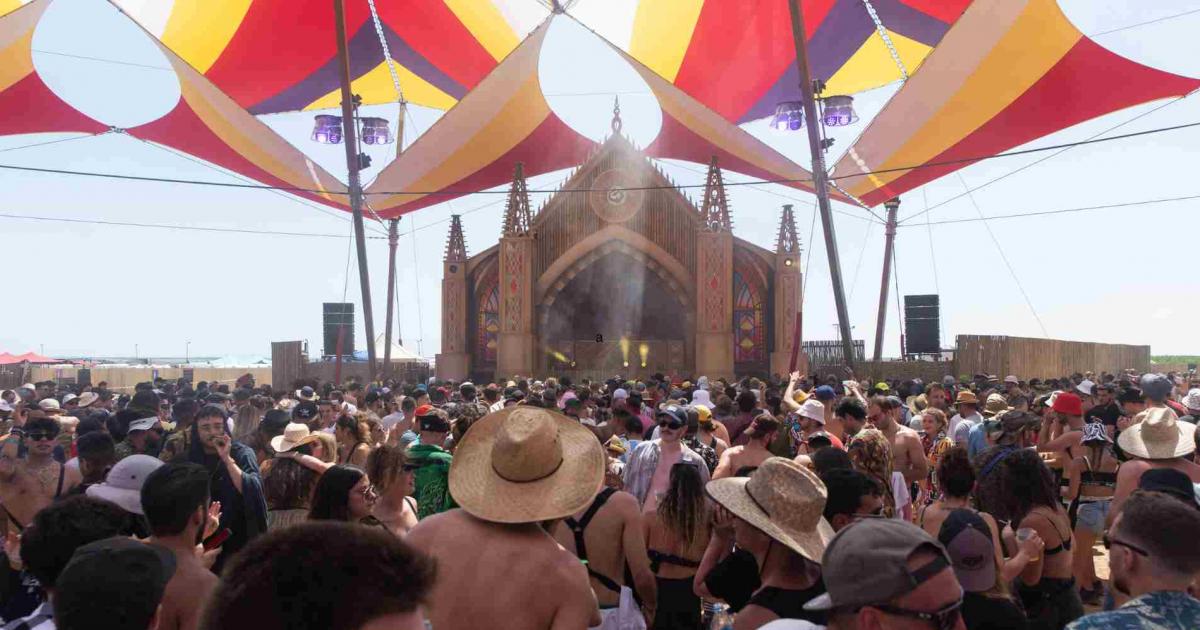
660,503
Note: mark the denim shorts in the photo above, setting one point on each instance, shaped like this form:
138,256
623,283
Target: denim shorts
1091,515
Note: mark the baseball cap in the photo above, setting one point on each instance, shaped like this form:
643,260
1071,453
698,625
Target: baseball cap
430,418
866,563
824,393
1169,481
968,541
674,412
306,410
123,485
110,570
143,424
1131,395
620,393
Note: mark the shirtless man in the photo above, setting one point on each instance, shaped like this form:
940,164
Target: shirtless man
612,539
30,484
648,471
1158,439
751,455
496,565
175,499
908,456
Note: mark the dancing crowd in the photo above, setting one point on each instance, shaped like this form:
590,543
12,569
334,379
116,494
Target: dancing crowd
656,502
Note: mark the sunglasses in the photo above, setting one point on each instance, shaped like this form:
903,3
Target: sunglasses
944,619
39,436
1109,542
671,423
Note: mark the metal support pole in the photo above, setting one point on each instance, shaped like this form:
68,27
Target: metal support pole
892,205
350,137
393,241
819,180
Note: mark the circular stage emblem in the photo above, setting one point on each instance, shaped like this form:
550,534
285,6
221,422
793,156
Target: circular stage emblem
616,195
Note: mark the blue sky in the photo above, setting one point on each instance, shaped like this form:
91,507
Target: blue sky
1120,275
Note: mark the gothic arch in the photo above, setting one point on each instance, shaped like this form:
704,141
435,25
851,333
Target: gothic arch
602,242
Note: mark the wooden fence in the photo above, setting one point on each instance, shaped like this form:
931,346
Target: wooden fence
123,379
290,363
1043,358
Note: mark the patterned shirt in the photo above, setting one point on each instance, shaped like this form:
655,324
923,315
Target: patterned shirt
643,461
1160,610
871,455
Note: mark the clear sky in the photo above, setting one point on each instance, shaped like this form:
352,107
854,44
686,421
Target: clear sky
1118,275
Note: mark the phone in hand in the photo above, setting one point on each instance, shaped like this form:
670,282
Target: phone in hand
217,539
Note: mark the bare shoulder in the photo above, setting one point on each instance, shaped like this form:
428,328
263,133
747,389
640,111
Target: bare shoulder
430,528
625,503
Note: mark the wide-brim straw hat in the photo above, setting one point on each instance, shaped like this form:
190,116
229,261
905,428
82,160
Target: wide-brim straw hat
1158,434
526,464
86,399
966,397
782,499
294,434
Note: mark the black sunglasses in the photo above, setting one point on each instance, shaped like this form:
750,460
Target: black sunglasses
39,436
670,423
944,619
1109,542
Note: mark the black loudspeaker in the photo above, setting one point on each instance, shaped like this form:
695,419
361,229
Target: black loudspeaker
83,376
921,324
338,318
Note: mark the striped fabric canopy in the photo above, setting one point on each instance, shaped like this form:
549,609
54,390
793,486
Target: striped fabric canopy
281,55
506,120
20,85
737,56
1009,72
205,122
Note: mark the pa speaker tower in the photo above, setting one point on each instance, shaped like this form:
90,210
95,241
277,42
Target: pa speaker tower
921,324
338,319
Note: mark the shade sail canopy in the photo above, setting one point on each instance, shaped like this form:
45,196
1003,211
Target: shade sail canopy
205,122
738,57
1009,72
506,119
280,55
20,85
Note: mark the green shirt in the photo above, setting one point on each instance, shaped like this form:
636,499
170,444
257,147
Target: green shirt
432,479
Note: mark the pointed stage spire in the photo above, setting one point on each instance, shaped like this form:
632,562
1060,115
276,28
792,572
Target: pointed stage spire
715,209
788,242
456,246
517,217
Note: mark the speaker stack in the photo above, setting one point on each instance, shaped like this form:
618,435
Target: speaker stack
922,334
338,318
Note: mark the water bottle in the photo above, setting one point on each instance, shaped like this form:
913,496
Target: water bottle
722,618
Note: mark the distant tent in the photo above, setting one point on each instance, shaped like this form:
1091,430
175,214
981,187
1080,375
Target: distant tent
400,354
29,357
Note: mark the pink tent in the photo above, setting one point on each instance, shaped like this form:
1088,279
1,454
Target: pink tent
29,357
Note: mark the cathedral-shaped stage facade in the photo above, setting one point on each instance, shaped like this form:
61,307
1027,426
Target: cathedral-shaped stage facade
619,273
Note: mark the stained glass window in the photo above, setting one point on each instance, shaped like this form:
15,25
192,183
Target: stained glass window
488,325
749,342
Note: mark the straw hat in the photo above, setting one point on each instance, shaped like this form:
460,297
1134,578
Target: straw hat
294,434
1158,434
994,405
966,397
526,464
782,499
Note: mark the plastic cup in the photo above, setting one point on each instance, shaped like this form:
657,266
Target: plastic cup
1025,533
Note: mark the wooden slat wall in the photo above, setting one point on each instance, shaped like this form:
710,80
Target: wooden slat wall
1043,358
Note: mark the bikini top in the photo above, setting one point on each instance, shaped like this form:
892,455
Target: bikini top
1064,542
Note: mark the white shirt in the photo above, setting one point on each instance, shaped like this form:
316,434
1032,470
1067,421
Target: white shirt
391,420
971,420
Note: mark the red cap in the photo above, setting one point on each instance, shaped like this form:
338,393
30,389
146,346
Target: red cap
1068,403
424,410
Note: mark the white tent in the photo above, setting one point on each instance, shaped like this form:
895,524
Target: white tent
400,354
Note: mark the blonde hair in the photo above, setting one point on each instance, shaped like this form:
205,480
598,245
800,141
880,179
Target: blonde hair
328,446
939,417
